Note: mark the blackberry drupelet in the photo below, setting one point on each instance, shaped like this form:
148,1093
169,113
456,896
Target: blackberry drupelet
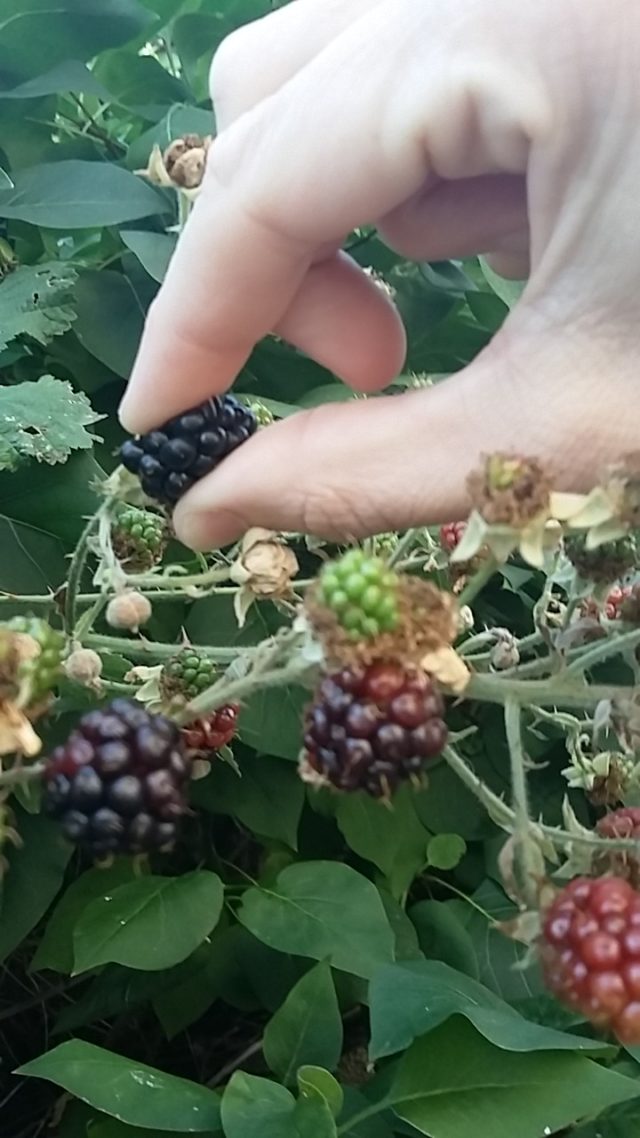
590,953
211,732
168,461
370,728
118,784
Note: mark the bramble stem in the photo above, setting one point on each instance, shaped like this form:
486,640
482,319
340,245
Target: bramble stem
153,650
520,795
478,581
557,691
603,650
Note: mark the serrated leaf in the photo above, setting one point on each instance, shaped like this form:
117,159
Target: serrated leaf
453,1083
35,301
75,194
44,420
307,1029
150,924
412,998
130,1091
322,910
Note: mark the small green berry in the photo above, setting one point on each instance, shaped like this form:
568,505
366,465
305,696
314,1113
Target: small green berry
187,674
362,592
38,673
139,538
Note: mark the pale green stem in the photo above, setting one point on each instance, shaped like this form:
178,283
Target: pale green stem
520,796
156,651
477,583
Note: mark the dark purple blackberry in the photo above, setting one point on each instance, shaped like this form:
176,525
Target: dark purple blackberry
118,784
168,461
370,728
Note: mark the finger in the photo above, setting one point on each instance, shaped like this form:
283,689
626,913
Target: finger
346,322
261,217
458,219
347,470
259,57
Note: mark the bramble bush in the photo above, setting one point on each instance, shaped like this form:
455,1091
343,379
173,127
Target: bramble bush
409,909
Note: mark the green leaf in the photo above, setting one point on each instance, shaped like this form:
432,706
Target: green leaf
212,972
35,301
75,194
619,1122
257,1108
442,936
445,851
71,75
55,950
508,291
139,81
110,318
35,874
111,1128
151,923
271,721
45,420
316,1083
409,999
453,1083
307,1029
393,839
136,1093
497,956
267,798
323,910
55,501
313,1119
153,250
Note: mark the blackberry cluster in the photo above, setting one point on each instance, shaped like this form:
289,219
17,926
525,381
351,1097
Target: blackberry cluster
606,563
187,674
362,592
451,535
370,728
590,953
139,538
118,784
620,824
211,732
42,670
168,461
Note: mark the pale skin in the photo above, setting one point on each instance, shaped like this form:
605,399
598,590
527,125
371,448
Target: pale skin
456,127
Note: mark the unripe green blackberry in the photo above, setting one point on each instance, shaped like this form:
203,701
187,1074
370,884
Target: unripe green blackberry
263,416
362,592
139,538
187,674
38,671
606,563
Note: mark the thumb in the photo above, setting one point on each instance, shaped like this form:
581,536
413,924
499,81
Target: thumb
351,469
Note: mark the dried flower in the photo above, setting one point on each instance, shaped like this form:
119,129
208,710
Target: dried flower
265,565
181,166
128,610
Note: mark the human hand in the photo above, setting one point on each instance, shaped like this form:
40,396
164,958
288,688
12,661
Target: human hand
456,129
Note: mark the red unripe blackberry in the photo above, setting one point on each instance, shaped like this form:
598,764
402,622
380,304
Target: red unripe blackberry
616,598
370,728
169,460
590,953
451,535
118,784
621,824
211,732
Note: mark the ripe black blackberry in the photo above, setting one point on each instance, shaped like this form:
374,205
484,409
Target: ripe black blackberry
372,727
118,784
168,461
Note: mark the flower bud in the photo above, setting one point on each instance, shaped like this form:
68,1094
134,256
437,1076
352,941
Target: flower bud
129,611
84,666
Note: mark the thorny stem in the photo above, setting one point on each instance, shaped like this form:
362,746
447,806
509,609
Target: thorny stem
153,650
557,691
19,775
504,816
522,825
78,562
604,649
261,675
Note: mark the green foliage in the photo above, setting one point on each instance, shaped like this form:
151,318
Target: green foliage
223,989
